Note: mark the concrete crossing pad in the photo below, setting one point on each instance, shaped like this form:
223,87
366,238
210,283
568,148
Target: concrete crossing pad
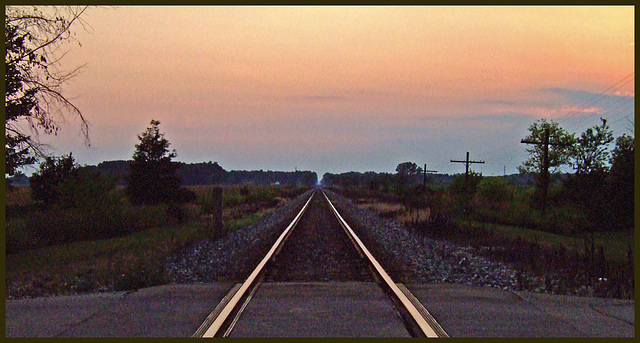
162,311
473,311
320,309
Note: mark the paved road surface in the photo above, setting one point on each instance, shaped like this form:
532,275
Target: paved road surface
165,311
178,310
469,311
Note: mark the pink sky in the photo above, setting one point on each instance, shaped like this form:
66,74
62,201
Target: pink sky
345,88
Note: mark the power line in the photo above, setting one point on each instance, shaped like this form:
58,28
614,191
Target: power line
591,115
599,96
571,116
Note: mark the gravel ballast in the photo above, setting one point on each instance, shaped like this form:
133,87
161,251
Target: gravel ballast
234,256
318,250
410,257
407,256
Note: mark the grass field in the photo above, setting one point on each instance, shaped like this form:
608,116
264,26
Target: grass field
614,243
130,261
581,260
121,263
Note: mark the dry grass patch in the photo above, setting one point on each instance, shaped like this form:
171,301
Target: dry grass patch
415,216
383,209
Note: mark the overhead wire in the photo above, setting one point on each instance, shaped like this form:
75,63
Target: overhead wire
614,111
598,97
573,115
586,119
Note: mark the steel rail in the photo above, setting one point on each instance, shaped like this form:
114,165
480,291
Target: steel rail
213,324
420,316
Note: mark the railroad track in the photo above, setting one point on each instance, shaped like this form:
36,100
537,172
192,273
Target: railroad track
222,320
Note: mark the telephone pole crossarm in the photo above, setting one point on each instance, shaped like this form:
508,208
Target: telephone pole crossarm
526,141
424,173
467,162
545,162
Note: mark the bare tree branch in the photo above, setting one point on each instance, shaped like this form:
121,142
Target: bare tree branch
33,40
63,30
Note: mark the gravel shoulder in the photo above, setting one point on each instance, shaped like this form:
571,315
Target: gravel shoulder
412,258
234,256
407,257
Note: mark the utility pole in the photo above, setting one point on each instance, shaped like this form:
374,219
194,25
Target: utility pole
424,173
467,162
544,178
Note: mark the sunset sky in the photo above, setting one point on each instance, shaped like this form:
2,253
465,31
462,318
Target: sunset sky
336,89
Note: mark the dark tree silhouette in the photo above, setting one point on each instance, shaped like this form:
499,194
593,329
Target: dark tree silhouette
622,182
153,177
406,171
44,183
588,187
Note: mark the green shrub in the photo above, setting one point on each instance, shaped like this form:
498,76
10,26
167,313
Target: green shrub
18,236
264,194
565,220
205,202
465,185
230,198
184,195
58,225
85,189
245,190
495,190
52,172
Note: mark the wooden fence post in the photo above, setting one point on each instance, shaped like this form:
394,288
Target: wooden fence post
217,209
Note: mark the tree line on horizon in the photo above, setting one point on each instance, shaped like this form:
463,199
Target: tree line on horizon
197,174
600,186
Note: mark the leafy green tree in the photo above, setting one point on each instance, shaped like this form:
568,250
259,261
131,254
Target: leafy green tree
153,177
405,173
590,153
52,172
543,163
33,79
559,152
